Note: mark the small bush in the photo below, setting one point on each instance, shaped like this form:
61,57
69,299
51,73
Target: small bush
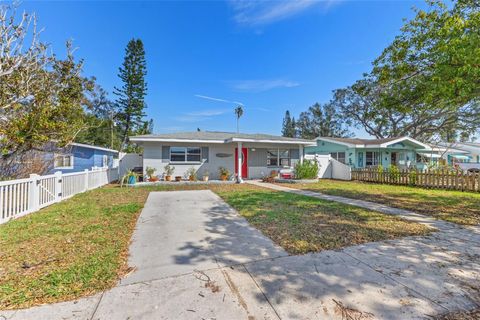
394,173
306,170
412,178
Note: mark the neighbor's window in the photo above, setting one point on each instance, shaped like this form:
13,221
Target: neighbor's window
185,154
104,160
63,161
339,156
372,158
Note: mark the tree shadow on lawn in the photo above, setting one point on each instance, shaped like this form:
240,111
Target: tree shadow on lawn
373,278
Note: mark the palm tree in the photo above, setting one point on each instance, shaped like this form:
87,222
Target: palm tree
238,113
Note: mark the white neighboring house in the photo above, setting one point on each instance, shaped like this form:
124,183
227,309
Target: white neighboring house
464,154
207,151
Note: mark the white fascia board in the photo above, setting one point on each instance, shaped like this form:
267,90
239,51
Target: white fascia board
92,147
350,145
423,145
270,141
153,139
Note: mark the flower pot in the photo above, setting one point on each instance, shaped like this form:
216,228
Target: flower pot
131,180
205,178
224,177
178,178
168,178
153,179
191,178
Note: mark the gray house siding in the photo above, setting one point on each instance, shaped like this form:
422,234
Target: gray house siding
213,156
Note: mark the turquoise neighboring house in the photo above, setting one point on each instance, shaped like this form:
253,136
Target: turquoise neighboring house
404,152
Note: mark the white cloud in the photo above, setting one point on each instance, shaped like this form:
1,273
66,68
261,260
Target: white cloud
262,85
217,99
200,115
256,13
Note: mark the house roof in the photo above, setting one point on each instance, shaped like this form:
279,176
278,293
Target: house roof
92,147
218,137
372,143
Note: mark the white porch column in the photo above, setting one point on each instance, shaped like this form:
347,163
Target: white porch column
300,152
239,161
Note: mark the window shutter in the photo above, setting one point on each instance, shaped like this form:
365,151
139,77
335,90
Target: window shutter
205,154
165,153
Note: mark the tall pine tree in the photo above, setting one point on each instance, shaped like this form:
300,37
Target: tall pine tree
288,129
131,95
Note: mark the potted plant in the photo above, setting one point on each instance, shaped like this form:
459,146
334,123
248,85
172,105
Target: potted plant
192,174
168,172
130,177
205,176
178,178
151,174
224,173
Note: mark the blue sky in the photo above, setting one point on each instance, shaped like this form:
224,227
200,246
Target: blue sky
205,57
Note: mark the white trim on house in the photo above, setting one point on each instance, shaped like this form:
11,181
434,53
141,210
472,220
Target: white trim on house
374,145
76,144
386,144
271,141
153,139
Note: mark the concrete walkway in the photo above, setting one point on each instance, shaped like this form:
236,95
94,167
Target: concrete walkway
196,258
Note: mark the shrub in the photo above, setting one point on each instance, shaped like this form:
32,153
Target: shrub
412,177
394,173
306,170
223,171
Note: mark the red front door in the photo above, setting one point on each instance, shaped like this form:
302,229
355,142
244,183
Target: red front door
244,162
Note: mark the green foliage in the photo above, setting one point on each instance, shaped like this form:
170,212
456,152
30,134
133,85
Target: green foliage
131,95
394,172
306,170
169,170
150,171
425,83
412,177
380,168
191,173
288,128
224,171
322,121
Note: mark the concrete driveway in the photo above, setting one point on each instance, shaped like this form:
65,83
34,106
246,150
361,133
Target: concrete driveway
196,258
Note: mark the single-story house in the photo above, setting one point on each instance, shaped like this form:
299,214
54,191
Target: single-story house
462,152
207,151
77,157
362,153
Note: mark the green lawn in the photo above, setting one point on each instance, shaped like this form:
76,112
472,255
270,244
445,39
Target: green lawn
454,206
79,247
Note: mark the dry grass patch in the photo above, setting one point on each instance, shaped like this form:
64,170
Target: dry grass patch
454,206
302,224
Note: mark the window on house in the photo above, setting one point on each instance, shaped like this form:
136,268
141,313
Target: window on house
372,158
360,160
272,157
185,154
278,157
339,156
104,160
63,161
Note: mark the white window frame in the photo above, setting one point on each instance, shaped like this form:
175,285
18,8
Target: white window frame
375,158
279,158
335,155
105,160
55,156
186,154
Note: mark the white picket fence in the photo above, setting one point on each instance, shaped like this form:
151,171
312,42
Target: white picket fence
24,196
